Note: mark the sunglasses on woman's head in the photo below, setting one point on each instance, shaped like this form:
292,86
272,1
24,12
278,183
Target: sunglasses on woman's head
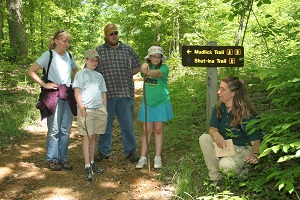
58,32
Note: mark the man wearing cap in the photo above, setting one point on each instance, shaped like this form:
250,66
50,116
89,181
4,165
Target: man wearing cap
118,63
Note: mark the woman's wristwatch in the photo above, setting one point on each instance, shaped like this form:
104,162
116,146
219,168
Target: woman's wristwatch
256,154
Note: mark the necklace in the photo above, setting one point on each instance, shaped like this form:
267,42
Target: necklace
229,107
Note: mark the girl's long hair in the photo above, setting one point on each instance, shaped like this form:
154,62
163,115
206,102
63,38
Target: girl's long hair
241,107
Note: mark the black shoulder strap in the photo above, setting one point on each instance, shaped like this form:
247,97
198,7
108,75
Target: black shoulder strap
70,54
45,75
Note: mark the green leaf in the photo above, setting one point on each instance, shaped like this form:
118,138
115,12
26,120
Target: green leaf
259,4
289,186
263,74
295,144
284,158
280,184
274,174
266,1
231,17
275,149
286,148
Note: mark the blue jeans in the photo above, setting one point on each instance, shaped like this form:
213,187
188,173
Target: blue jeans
58,136
123,108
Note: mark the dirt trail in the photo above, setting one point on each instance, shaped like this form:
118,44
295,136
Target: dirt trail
24,174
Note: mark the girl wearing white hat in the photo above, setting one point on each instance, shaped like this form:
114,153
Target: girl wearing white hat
156,106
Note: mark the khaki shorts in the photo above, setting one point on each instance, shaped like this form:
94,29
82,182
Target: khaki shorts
94,123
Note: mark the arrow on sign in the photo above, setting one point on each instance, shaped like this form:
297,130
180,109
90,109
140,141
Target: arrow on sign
188,51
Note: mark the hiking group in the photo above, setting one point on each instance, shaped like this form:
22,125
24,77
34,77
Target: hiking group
101,91
104,89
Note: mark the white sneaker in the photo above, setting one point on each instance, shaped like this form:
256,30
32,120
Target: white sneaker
157,162
141,163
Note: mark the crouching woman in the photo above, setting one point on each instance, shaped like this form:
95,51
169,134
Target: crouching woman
228,122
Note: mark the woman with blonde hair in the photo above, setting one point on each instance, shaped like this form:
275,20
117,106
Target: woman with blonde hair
57,99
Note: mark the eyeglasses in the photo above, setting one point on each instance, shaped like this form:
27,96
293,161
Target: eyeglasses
157,57
58,32
114,33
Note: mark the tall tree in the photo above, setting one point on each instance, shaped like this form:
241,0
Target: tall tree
1,28
1,23
17,33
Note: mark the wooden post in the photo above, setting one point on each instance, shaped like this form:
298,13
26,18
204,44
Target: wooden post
212,88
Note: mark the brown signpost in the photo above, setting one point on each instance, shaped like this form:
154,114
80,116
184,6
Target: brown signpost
213,56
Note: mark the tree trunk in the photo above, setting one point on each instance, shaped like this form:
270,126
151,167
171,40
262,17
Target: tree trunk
1,24
17,34
1,30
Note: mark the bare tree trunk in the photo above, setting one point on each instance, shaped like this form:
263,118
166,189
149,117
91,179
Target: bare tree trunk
240,30
1,29
1,24
17,34
249,8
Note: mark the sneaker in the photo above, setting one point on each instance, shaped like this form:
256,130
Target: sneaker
95,169
54,166
88,174
141,163
66,165
157,162
100,156
133,157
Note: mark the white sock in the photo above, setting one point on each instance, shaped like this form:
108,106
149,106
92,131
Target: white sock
92,162
144,158
87,165
157,157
